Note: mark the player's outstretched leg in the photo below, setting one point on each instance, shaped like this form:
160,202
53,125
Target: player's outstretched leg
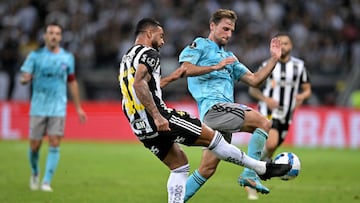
275,170
249,177
230,153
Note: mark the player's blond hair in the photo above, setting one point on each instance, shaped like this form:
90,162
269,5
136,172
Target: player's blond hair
223,13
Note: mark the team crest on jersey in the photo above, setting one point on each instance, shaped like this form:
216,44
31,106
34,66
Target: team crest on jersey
193,45
63,66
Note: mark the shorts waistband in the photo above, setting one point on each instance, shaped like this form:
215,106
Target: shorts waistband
144,137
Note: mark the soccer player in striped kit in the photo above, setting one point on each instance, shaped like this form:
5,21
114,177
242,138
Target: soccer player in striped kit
285,89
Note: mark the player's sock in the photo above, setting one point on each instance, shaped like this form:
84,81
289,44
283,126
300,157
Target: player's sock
255,147
34,161
264,154
193,184
228,152
176,183
51,163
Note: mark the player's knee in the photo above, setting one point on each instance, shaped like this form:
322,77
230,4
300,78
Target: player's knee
264,124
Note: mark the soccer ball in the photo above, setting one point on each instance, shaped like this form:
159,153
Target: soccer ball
291,158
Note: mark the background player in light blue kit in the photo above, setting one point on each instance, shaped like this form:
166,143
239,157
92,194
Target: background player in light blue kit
214,72
49,69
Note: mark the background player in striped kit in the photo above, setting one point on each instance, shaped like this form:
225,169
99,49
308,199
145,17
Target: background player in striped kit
214,71
285,89
49,69
160,128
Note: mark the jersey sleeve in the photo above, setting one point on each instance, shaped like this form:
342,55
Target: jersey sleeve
192,52
71,65
304,78
28,65
239,69
150,59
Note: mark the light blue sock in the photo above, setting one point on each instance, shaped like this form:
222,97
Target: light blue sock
255,147
34,161
193,184
51,163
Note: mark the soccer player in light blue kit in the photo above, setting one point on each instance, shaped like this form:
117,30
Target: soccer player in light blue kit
49,69
213,72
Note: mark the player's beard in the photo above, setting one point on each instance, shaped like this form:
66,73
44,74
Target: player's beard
222,42
284,53
155,45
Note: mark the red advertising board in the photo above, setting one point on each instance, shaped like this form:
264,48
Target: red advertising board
312,126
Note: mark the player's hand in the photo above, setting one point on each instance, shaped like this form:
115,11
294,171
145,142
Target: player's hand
271,103
161,123
25,78
82,115
298,100
275,48
224,62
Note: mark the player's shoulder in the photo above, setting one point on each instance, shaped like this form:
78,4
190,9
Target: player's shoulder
199,42
66,52
296,60
149,51
37,51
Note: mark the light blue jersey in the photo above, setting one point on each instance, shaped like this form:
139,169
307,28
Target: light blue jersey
49,83
216,86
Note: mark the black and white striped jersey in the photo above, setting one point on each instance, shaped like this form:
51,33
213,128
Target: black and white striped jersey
283,85
141,122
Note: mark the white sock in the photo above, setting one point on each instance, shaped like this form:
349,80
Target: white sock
176,184
228,152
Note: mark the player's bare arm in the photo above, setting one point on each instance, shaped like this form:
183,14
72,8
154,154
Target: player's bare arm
178,73
141,87
193,70
255,79
25,78
305,94
257,94
74,91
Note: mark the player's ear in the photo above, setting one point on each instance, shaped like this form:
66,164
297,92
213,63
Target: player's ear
149,34
212,26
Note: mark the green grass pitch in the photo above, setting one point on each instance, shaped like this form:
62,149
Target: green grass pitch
128,173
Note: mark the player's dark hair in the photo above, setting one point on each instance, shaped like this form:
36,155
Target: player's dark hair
53,24
144,24
283,34
223,13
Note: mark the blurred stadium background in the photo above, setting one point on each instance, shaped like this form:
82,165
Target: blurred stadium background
326,34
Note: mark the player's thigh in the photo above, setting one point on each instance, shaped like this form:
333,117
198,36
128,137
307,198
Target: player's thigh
37,127
282,130
254,119
226,117
56,126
